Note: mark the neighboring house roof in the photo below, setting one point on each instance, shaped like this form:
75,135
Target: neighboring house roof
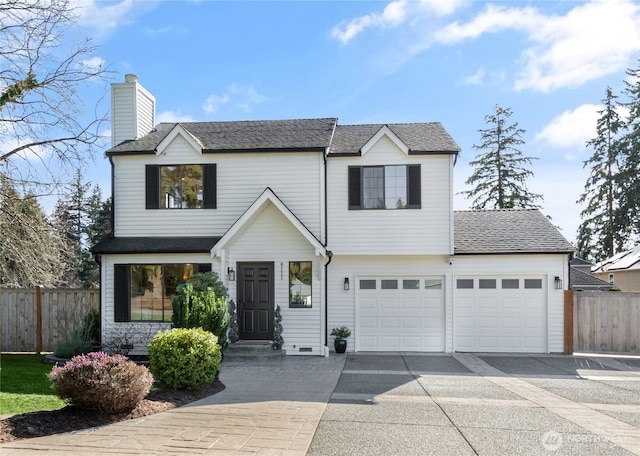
627,260
155,245
580,279
577,261
427,137
507,231
237,136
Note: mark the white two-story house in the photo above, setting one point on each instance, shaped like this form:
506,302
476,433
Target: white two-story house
337,224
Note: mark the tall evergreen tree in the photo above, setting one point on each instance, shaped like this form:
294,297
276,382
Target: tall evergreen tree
99,226
629,176
500,174
602,231
30,252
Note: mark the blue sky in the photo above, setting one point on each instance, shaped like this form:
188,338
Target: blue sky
384,62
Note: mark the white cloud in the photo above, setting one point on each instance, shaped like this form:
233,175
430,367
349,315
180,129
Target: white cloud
213,102
589,41
94,63
105,17
394,14
572,128
242,96
173,116
477,78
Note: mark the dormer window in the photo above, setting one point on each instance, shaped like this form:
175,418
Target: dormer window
190,186
384,187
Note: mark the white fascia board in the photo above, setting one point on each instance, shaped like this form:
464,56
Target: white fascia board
254,211
179,130
384,131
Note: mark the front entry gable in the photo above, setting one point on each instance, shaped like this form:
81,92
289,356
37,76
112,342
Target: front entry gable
267,199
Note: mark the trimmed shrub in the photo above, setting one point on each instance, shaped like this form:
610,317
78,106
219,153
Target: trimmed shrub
185,358
98,381
201,302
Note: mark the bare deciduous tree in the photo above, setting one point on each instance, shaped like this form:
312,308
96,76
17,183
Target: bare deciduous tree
46,129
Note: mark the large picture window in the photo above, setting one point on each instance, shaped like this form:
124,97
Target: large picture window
190,186
300,283
143,292
384,187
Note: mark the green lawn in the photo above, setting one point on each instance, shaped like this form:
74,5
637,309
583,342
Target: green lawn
24,386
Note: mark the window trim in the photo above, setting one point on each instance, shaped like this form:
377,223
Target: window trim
356,187
153,184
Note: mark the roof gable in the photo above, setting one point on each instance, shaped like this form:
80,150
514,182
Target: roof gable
179,130
384,131
252,213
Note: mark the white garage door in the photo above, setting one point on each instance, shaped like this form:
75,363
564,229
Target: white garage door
501,314
400,314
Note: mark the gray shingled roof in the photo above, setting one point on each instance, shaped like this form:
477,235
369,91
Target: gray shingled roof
507,231
419,137
298,134
155,245
579,279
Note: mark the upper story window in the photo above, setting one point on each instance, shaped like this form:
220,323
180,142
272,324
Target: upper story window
191,186
384,187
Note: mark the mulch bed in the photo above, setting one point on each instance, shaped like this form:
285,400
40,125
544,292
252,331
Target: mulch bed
38,424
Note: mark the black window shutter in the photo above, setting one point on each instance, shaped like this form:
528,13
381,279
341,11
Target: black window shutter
121,284
204,267
152,187
414,191
355,187
209,186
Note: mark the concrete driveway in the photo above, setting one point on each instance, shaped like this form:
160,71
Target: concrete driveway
403,404
387,404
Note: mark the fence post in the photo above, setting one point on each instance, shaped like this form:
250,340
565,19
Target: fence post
568,322
38,320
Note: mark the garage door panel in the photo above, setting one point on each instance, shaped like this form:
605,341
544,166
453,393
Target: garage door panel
410,319
510,320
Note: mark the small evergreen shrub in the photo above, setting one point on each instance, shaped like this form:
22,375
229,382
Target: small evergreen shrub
98,381
185,358
201,302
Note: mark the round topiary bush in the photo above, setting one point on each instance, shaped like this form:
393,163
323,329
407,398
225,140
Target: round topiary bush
98,381
182,358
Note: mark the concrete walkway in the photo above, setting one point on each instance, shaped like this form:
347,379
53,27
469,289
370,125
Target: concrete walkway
270,408
389,404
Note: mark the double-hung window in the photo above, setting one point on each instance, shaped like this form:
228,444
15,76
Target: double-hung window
190,186
385,187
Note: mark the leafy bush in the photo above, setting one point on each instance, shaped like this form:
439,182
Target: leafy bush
185,358
201,302
98,381
85,337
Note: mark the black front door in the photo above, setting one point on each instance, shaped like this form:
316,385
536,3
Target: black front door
255,301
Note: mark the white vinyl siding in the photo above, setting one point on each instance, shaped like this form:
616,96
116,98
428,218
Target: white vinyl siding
296,178
133,112
422,231
271,237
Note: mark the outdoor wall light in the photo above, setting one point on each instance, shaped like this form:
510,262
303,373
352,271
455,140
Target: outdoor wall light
231,274
558,282
346,284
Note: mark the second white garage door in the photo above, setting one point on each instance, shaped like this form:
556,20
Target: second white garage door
400,314
500,314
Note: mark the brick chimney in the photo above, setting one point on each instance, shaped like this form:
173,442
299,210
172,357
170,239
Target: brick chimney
133,110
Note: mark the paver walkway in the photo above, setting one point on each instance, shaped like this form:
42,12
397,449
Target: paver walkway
270,408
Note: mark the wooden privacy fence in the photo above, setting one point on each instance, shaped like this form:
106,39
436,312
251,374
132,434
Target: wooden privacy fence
606,322
35,320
